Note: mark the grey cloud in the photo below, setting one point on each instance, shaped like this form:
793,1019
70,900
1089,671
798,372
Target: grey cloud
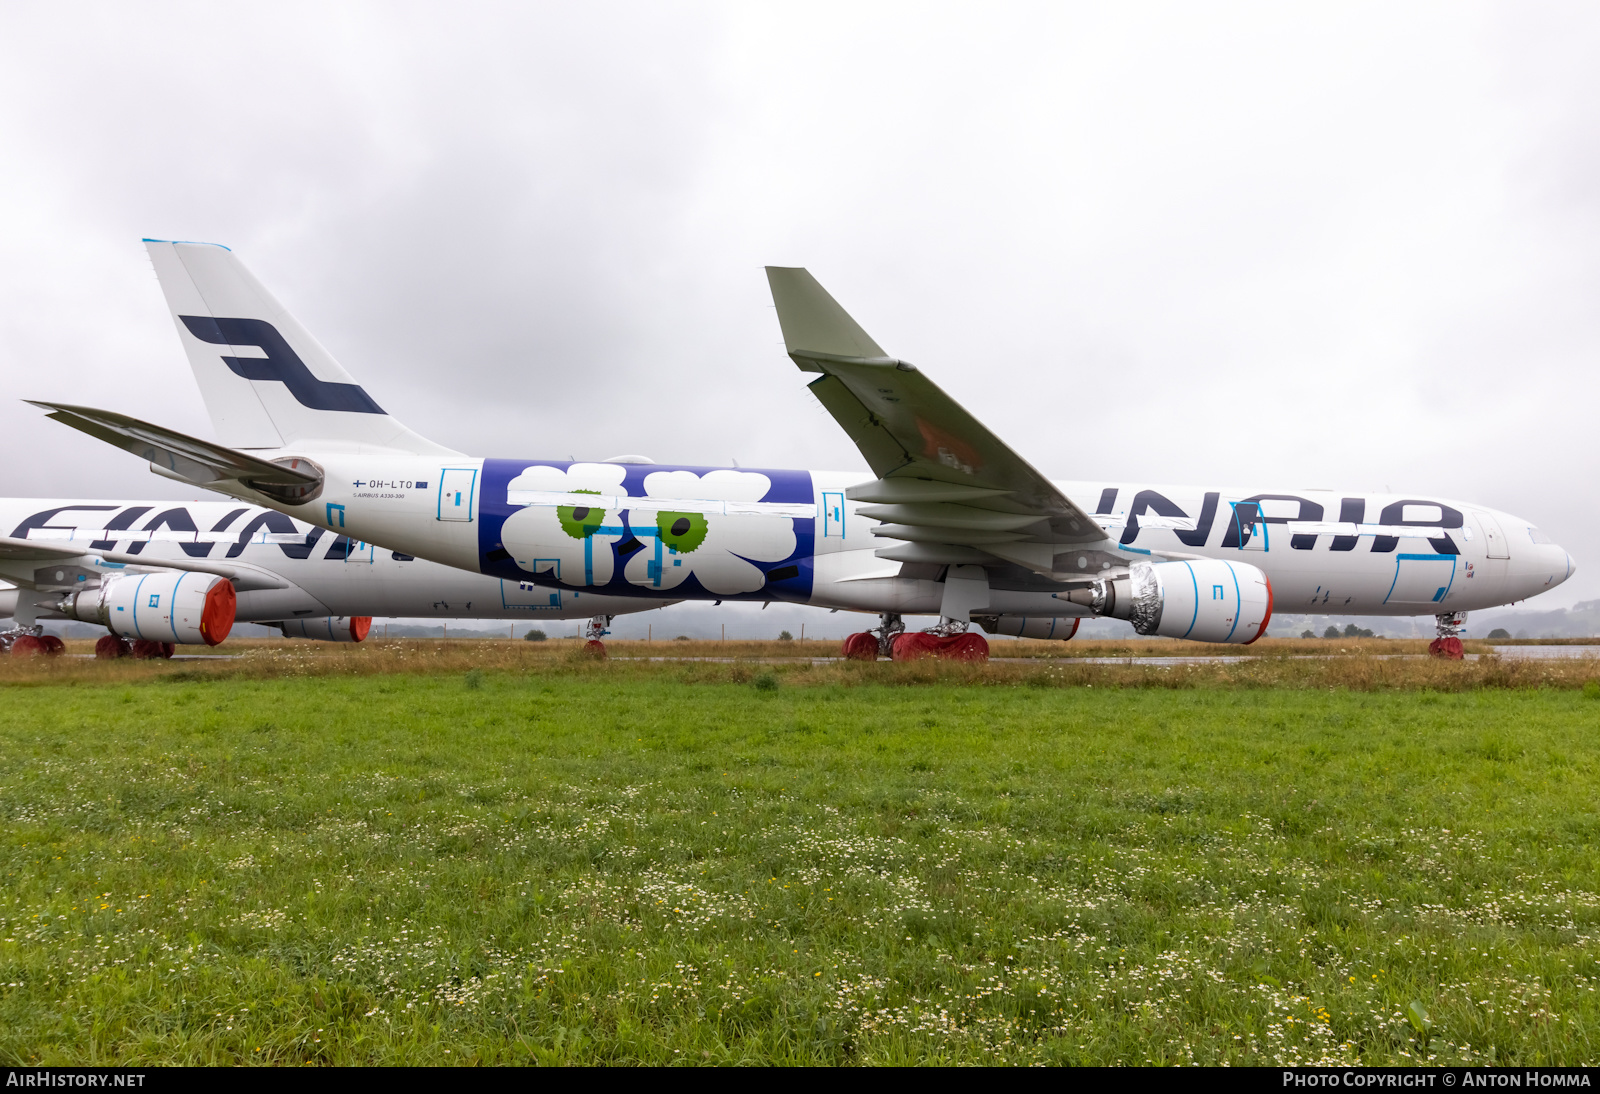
1353,246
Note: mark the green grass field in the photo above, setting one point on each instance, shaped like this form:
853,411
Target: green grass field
561,862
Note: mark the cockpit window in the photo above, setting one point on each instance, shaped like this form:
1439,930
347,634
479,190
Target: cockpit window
1538,536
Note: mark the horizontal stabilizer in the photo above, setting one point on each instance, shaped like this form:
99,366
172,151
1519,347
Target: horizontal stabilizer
188,458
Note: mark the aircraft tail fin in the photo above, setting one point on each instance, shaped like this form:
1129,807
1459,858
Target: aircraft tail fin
266,382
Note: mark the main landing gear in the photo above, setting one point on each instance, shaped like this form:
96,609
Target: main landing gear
871,645
35,643
32,642
594,630
113,646
1448,644
949,640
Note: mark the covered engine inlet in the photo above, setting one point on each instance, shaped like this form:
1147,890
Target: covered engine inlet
180,607
1206,600
328,628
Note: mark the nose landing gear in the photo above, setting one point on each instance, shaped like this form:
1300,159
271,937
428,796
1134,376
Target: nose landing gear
1448,645
594,630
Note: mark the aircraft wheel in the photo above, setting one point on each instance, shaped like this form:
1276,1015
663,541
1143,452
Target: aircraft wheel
966,647
861,646
915,645
1446,649
111,647
144,649
595,648
53,646
911,646
27,646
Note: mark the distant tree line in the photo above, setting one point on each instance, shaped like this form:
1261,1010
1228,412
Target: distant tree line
1350,631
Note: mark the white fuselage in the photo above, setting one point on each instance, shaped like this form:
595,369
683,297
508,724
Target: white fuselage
794,536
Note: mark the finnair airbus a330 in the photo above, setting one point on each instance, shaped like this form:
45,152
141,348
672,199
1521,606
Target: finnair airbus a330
949,521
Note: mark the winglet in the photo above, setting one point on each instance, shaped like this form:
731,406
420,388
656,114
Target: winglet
813,321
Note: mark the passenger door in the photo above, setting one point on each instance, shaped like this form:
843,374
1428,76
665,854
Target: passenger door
1494,540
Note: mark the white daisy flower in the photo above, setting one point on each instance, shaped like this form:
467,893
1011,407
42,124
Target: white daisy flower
704,537
573,541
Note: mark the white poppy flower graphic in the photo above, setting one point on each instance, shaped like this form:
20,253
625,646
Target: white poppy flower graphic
708,536
556,532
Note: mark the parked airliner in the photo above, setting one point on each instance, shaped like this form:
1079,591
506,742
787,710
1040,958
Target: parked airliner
949,520
127,564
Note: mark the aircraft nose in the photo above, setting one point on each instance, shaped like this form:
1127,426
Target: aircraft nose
1558,563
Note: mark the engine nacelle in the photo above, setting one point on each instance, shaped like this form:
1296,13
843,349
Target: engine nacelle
172,606
1059,628
1205,600
328,628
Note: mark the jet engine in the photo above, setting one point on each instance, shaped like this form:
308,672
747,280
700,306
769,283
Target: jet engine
171,606
1057,627
1207,600
328,628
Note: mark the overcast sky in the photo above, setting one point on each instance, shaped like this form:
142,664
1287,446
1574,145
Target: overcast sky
1251,245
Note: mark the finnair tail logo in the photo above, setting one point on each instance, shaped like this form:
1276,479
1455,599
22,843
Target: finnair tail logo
281,363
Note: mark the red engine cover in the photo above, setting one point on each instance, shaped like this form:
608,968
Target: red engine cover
216,618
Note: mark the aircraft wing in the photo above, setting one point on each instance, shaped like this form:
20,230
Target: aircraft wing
22,550
28,563
946,486
185,457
